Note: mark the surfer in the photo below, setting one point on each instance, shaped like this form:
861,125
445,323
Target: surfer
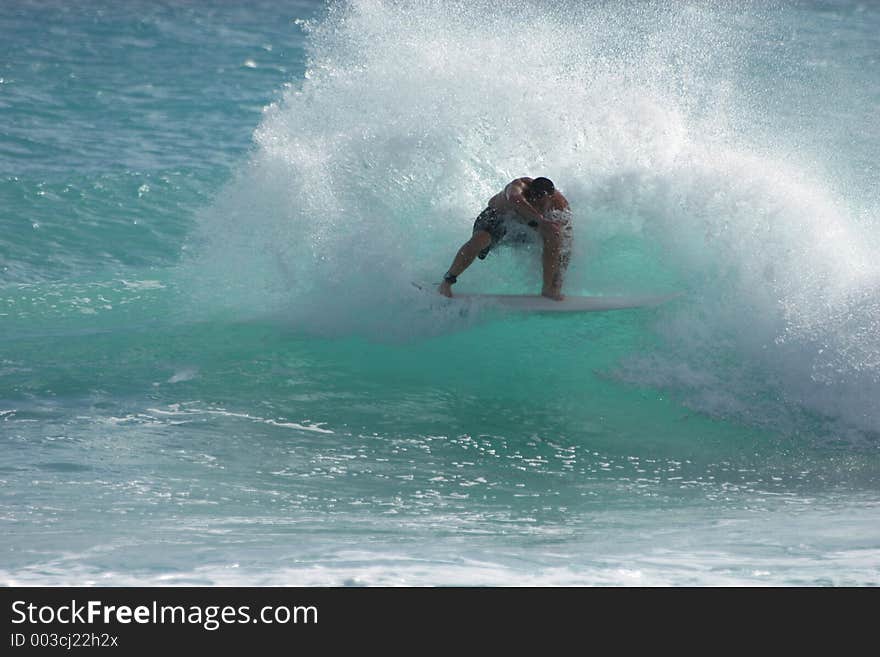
524,208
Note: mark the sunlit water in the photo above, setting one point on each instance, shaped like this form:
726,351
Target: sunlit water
214,368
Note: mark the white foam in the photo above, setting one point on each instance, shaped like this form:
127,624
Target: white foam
175,410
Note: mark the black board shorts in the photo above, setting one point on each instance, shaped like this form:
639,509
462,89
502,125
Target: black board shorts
496,224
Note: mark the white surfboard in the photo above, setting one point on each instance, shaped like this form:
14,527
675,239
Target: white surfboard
570,304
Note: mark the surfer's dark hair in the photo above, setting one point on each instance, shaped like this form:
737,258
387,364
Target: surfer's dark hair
541,187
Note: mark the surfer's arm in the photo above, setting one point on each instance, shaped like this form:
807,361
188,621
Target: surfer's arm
561,205
524,210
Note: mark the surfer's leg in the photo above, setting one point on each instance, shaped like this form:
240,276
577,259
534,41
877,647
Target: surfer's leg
492,223
480,240
555,256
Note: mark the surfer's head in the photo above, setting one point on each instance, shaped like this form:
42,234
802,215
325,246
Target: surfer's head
539,188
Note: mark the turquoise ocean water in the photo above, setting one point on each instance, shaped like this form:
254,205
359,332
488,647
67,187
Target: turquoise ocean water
214,369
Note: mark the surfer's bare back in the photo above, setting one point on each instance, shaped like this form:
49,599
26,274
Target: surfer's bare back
525,205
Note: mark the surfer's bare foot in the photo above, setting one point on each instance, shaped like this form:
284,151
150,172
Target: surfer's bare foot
445,289
556,295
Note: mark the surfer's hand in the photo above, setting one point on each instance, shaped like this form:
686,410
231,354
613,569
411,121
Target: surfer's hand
445,289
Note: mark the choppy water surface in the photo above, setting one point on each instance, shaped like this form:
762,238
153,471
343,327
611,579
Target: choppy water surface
214,368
